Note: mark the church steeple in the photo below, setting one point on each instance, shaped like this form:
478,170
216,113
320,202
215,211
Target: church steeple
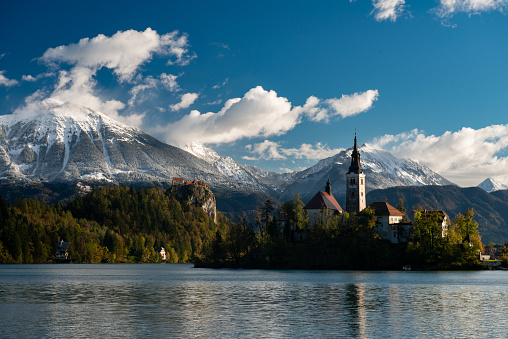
355,184
328,188
355,160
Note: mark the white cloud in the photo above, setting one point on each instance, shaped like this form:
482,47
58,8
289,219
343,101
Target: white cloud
148,82
258,113
219,85
270,150
185,101
353,104
123,53
31,78
465,157
4,81
448,8
388,9
169,82
216,102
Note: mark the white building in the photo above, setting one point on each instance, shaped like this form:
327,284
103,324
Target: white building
389,222
322,205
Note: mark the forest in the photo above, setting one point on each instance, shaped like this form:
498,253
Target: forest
348,241
123,224
110,224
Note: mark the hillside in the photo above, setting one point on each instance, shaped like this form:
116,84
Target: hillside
114,224
491,210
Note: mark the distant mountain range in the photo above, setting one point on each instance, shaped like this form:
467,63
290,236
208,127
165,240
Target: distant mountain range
491,209
65,148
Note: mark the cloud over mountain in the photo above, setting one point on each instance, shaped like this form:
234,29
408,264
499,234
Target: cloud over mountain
466,156
258,113
123,53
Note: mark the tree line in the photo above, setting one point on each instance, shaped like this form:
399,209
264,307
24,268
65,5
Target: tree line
349,241
113,224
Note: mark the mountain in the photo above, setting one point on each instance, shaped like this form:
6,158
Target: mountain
68,143
228,167
491,185
491,211
382,170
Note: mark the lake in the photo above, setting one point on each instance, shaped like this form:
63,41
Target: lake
179,301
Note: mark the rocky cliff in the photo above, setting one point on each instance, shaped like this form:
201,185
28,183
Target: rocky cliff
198,195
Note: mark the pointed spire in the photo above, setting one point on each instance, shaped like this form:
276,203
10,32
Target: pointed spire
328,188
355,160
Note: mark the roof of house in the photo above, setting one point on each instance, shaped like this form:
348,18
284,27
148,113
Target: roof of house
323,199
384,208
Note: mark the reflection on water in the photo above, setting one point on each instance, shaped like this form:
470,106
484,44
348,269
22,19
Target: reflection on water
179,301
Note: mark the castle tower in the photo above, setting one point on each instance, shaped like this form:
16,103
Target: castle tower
355,184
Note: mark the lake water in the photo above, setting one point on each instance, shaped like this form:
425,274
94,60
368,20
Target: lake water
179,301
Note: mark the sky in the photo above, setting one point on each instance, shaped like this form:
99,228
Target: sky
276,84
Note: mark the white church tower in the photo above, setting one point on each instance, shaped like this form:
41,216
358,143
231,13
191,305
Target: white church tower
355,184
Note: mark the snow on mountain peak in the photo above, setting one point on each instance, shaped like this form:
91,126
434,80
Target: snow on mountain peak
492,185
202,152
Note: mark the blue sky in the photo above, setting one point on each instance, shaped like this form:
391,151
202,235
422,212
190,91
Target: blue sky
277,84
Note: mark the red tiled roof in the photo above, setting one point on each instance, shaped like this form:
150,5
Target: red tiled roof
323,199
177,179
384,208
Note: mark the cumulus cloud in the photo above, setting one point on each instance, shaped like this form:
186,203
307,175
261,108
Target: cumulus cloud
123,53
185,101
448,8
387,9
270,150
259,113
466,157
346,106
4,81
353,104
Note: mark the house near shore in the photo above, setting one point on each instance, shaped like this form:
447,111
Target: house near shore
161,252
62,250
388,220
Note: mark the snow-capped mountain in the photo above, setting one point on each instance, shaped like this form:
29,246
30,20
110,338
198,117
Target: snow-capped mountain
225,165
382,170
67,143
492,185
64,142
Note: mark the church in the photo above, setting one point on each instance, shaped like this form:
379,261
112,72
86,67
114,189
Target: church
388,218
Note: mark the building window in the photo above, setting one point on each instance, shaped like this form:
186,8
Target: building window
352,181
352,194
361,181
